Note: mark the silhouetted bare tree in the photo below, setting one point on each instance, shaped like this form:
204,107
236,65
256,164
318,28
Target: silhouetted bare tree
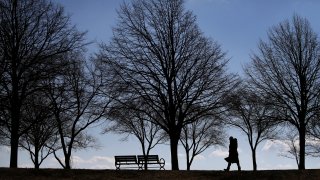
291,149
41,138
159,55
3,111
130,122
32,36
253,116
291,145
314,136
4,115
286,71
200,135
77,104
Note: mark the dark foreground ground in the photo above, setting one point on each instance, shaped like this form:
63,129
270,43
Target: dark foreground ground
33,174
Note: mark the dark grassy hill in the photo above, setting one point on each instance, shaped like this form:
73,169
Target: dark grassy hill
86,174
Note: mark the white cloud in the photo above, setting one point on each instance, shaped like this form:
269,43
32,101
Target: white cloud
275,145
267,145
95,162
78,160
284,166
277,166
199,157
26,165
6,149
284,145
314,142
102,159
219,153
99,166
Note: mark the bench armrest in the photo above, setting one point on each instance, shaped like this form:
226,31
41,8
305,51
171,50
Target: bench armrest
162,161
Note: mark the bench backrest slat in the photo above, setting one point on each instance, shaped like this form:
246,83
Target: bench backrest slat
125,158
142,158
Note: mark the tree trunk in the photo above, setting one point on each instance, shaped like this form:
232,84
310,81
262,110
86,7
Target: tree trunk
174,152
15,105
188,159
145,163
14,141
67,161
36,165
188,165
145,156
36,158
254,160
302,143
14,147
36,162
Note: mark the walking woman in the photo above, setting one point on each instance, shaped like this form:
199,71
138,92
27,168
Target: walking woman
233,154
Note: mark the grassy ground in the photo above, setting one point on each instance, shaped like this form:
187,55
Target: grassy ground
85,174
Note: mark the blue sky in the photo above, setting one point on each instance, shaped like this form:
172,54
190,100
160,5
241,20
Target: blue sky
237,25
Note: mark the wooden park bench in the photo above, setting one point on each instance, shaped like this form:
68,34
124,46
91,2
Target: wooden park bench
133,162
150,160
126,160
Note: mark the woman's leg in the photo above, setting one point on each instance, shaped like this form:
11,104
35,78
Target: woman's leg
228,168
238,164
